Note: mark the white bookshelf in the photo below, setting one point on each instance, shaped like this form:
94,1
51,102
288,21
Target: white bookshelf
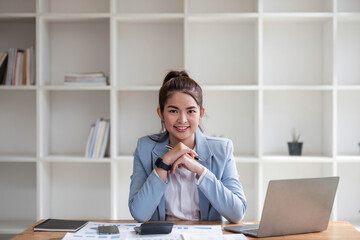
265,66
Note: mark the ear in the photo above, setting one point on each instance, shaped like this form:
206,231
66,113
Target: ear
159,113
202,112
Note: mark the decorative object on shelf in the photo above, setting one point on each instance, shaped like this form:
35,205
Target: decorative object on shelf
295,146
97,143
81,79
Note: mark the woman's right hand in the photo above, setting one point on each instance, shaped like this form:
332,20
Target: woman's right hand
176,152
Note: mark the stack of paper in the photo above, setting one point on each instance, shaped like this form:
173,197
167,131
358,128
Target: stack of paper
81,79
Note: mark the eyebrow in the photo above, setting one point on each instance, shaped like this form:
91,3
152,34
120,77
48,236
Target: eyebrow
172,106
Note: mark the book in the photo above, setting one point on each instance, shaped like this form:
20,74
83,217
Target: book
59,225
23,71
32,65
27,78
17,66
87,150
93,139
99,138
10,66
104,144
3,67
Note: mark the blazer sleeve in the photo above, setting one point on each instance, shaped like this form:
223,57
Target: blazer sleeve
226,195
146,190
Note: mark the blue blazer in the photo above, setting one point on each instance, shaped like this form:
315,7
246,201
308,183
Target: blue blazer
220,192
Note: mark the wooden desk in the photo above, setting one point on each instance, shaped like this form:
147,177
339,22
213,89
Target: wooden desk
336,230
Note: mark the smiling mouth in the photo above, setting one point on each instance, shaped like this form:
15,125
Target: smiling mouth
181,129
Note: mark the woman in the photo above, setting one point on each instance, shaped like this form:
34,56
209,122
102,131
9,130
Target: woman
197,178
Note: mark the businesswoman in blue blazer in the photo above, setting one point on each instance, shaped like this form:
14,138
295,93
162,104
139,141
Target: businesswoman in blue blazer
181,174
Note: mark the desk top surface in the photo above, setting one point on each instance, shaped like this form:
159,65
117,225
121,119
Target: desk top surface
336,230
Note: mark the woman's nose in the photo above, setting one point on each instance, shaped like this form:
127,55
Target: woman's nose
182,118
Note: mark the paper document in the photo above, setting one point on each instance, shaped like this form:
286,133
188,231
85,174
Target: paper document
124,236
197,229
126,231
214,237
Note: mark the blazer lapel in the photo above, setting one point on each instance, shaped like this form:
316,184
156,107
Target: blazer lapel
158,151
205,155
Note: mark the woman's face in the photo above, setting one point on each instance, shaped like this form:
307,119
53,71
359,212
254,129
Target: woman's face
181,117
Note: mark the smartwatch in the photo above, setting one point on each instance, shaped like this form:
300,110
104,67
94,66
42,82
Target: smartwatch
160,164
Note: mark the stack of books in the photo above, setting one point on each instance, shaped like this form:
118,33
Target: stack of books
98,140
17,67
81,79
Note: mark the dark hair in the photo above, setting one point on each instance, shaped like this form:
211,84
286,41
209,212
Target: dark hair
177,81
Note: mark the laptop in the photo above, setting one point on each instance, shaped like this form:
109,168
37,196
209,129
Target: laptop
294,206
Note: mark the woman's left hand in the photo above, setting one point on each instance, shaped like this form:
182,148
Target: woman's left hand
189,163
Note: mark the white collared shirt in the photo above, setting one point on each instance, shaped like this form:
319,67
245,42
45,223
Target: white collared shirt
182,196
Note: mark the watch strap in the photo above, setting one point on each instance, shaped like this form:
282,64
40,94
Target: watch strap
160,164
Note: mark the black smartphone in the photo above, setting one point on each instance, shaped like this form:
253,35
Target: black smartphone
108,230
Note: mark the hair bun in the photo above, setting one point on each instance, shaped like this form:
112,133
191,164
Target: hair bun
175,74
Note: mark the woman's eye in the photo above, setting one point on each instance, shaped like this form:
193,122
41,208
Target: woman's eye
172,111
192,111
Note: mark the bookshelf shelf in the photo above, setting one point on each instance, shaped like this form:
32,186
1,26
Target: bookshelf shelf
75,88
348,158
17,88
297,88
17,158
68,17
252,95
17,16
74,158
297,159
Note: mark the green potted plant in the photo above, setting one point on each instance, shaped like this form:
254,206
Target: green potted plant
295,146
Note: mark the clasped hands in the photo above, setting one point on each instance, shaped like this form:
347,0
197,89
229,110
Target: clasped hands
182,156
